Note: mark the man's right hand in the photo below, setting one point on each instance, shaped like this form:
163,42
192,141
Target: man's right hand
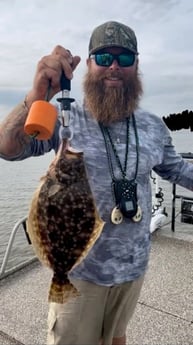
49,71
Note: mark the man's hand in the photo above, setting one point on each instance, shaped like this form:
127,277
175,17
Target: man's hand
49,71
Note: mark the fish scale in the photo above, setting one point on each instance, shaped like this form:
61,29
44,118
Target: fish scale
63,223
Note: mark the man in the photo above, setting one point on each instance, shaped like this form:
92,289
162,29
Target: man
121,145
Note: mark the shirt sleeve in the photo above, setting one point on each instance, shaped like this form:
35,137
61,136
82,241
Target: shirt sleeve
173,167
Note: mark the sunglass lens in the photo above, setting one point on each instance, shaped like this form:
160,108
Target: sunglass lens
126,60
104,59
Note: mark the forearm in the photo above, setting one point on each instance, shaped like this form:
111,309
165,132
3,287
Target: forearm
13,139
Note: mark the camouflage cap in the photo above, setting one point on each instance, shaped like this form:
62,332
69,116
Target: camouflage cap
113,34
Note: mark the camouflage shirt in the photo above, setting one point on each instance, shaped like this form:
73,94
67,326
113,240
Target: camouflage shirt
121,253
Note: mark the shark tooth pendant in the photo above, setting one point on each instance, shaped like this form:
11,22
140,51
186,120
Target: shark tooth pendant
116,216
137,217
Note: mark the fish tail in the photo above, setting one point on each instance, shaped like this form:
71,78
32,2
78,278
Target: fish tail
61,293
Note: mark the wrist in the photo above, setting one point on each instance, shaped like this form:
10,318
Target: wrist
30,98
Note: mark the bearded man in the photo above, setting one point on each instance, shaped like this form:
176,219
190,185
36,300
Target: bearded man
122,144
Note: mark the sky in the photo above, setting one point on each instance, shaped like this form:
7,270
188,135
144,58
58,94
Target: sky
164,29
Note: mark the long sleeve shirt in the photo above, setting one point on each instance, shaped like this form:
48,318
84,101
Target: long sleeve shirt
121,252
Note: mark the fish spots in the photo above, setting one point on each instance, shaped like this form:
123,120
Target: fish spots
63,223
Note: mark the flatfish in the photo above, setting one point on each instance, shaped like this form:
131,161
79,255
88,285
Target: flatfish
63,222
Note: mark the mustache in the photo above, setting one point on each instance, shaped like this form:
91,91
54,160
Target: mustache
110,75
114,75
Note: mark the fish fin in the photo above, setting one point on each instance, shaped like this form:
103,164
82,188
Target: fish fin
33,231
61,293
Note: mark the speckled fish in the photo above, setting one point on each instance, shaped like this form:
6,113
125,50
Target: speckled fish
63,223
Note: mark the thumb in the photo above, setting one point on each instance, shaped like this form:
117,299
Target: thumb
76,60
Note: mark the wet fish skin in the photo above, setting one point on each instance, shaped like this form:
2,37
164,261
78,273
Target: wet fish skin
63,223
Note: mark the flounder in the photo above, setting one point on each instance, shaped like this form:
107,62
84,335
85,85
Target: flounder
63,223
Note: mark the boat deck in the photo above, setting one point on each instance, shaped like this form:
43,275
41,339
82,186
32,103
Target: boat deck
164,313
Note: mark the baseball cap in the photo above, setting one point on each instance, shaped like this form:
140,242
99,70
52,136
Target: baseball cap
113,34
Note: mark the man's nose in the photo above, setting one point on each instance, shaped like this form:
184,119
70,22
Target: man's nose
114,64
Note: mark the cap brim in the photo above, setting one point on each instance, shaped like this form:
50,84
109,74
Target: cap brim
111,46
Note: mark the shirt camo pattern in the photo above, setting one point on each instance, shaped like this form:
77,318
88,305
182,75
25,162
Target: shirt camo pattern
122,251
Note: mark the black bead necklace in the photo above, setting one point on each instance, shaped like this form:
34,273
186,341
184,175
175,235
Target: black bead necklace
124,190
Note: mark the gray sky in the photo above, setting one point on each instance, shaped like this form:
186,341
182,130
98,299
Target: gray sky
31,29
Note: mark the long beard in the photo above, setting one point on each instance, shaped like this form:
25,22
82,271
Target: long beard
109,104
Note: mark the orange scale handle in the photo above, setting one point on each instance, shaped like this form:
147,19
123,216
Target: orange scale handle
41,120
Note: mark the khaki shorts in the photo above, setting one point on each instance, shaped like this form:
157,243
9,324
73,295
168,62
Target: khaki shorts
100,312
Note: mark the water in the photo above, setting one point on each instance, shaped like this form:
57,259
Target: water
20,179
18,182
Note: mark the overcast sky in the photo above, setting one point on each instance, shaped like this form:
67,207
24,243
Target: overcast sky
164,29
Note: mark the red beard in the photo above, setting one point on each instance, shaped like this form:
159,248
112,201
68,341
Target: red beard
109,104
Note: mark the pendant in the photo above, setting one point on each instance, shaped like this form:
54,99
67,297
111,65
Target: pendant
116,216
137,217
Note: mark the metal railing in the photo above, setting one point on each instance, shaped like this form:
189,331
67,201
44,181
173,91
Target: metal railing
3,271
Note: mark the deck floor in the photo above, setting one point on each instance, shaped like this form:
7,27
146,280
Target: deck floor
164,313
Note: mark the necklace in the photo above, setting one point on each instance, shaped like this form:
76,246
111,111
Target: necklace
124,190
117,135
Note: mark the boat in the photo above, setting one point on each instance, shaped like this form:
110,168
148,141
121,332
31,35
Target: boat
165,303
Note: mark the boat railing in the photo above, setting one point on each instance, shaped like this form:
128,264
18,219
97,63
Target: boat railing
5,272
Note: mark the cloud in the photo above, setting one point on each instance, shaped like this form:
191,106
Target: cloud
164,28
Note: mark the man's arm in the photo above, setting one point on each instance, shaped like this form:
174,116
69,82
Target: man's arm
13,139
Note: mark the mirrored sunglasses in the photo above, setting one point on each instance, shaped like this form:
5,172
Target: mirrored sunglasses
106,59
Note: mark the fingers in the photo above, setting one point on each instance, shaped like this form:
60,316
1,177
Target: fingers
49,71
67,60
76,60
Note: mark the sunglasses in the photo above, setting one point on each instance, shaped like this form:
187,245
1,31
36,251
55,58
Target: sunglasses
106,59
